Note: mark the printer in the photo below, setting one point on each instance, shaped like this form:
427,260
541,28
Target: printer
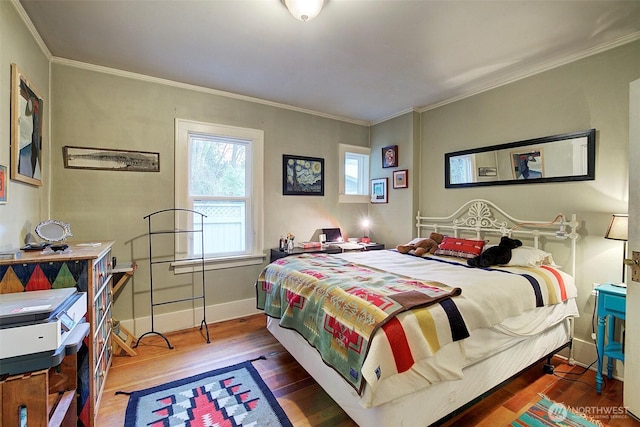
39,328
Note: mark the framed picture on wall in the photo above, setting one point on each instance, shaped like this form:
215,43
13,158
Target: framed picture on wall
27,107
3,184
401,179
302,176
390,156
379,190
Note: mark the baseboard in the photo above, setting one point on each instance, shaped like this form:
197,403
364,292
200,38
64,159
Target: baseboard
186,319
584,354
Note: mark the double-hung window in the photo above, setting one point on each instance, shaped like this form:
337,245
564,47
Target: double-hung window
219,173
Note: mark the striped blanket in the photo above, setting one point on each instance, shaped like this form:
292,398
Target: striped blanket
309,294
338,306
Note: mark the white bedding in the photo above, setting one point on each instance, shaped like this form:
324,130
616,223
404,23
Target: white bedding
482,305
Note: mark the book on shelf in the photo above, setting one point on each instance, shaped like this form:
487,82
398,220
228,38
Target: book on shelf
309,245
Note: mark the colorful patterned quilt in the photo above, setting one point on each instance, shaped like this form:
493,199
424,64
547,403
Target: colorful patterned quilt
338,306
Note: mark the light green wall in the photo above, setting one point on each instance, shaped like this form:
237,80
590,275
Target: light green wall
393,223
97,109
27,204
589,93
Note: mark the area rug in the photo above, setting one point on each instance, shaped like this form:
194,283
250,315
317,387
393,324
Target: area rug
229,397
546,412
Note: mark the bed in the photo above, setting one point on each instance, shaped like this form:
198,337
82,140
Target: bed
397,339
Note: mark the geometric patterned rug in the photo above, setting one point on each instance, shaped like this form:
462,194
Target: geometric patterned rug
546,412
233,396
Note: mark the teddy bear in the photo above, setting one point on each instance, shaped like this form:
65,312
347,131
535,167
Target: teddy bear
422,246
496,255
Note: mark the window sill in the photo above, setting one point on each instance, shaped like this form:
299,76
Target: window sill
181,267
348,198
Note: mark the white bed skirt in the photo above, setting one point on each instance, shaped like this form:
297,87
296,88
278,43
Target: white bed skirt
426,406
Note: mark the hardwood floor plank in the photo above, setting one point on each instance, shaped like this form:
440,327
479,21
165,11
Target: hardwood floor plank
305,403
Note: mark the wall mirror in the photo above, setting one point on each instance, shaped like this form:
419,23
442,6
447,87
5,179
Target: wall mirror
557,158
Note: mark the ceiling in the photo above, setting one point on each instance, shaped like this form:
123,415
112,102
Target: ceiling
359,60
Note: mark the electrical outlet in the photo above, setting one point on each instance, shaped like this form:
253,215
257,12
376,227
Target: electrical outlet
593,336
593,290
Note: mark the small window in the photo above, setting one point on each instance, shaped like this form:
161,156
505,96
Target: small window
354,174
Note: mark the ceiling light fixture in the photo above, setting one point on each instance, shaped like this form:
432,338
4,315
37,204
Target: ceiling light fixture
304,10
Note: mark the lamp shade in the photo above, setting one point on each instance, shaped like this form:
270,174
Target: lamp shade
304,10
618,227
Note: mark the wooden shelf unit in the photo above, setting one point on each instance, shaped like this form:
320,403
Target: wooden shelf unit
87,266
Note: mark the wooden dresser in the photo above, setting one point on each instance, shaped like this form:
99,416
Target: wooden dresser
87,266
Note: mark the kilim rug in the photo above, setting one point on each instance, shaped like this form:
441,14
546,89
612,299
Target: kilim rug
229,397
546,412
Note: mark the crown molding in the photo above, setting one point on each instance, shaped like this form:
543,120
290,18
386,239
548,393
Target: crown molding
32,29
202,89
537,70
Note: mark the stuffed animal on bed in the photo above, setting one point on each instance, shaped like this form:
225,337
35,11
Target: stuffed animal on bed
422,246
496,255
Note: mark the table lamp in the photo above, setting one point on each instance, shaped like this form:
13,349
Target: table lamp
365,227
618,230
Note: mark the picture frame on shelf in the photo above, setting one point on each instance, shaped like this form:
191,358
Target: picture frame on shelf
302,175
401,178
379,192
390,156
27,119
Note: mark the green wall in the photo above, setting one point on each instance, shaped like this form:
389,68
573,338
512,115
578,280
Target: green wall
102,109
27,205
589,93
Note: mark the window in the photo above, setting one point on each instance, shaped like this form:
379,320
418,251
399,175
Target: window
219,174
462,168
354,174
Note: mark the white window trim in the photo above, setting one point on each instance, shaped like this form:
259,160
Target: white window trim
343,149
257,255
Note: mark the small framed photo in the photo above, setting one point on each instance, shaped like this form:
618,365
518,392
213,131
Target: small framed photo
487,171
379,190
3,184
390,156
401,179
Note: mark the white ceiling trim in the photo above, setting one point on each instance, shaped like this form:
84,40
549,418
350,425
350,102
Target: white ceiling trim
540,69
166,82
27,21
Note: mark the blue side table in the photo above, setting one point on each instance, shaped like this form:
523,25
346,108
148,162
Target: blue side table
611,305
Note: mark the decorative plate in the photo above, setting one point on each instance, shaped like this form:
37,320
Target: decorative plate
53,230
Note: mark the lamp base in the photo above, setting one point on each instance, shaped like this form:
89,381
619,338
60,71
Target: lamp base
365,239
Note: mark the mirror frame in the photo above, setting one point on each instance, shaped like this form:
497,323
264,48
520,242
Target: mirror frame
43,230
591,160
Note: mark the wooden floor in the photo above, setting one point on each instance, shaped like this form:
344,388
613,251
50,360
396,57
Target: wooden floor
305,403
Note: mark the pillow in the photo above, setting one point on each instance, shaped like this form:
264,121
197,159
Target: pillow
527,256
461,248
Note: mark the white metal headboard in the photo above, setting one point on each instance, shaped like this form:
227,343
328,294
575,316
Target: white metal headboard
477,217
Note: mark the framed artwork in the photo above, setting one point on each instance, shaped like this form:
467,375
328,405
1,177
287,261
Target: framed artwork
487,171
3,184
108,159
27,107
527,164
390,156
302,176
379,190
401,179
